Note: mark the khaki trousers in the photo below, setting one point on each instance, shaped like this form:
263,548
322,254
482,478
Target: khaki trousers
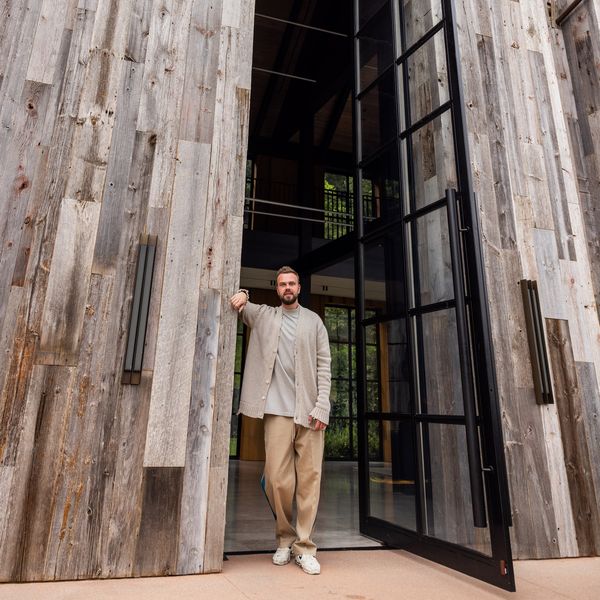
293,464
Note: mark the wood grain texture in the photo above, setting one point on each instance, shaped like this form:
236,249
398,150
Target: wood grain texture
522,81
199,436
172,381
580,469
64,308
157,540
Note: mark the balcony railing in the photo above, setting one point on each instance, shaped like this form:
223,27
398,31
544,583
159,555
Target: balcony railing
274,206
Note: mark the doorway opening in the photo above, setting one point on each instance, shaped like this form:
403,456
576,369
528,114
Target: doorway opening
358,177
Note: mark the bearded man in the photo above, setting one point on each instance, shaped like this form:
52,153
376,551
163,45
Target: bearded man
287,380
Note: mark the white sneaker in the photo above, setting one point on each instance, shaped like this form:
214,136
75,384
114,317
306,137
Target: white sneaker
309,564
282,556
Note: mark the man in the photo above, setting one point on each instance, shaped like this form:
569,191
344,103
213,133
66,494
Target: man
287,380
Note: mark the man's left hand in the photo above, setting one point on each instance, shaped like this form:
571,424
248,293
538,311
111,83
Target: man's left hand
318,425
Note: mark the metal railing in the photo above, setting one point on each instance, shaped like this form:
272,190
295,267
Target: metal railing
274,206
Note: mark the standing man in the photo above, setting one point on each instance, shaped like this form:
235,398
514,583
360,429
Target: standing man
287,379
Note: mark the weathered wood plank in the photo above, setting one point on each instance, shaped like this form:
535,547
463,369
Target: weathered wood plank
139,31
96,114
46,42
156,544
553,299
199,94
199,436
15,507
228,281
50,456
89,426
68,282
554,170
22,168
586,505
172,381
130,156
122,513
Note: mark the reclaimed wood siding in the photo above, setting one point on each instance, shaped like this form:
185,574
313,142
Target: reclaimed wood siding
118,118
531,98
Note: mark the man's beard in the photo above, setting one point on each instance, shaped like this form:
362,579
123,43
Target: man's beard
289,300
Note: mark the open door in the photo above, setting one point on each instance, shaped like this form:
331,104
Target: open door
431,462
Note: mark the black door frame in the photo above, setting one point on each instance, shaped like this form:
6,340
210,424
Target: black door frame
483,423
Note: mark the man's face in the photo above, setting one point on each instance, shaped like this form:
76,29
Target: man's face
288,288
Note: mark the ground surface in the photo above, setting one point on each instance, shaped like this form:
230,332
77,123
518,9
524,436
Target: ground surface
350,575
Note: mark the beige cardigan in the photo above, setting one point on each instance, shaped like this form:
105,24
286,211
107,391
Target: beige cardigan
312,356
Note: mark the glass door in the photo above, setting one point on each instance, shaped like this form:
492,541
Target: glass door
437,485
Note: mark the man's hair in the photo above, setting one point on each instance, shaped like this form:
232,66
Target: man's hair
284,270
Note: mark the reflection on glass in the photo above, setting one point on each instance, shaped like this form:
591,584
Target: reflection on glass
419,17
392,478
433,160
441,387
378,115
395,374
435,265
370,8
384,281
428,77
383,201
376,48
340,439
449,514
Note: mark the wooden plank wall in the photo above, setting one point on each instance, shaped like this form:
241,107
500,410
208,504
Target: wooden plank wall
531,97
118,118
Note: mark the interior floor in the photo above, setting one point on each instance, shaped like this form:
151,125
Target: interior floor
250,524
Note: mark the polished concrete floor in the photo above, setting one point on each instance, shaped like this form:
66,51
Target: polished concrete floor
250,525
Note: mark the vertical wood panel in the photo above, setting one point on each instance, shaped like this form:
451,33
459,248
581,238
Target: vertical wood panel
200,432
172,381
67,286
229,280
521,121
157,541
584,498
46,43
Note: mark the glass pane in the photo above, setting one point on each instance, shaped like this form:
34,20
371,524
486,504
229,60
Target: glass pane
237,386
375,439
435,264
433,160
369,8
337,439
233,436
373,399
392,478
441,388
376,48
340,355
382,198
239,347
419,17
428,77
394,369
449,514
378,115
384,283
339,398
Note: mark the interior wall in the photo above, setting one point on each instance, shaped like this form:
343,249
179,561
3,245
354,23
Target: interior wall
534,147
118,118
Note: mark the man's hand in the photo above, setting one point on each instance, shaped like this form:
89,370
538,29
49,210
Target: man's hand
318,425
238,301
